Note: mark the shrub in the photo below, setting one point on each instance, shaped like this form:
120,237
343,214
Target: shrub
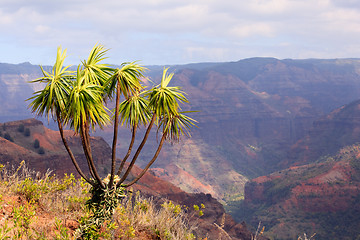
63,199
21,128
31,189
23,217
167,222
27,132
8,137
41,151
36,143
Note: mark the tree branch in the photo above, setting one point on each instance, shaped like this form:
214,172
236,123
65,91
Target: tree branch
116,126
87,150
129,150
150,163
78,169
138,150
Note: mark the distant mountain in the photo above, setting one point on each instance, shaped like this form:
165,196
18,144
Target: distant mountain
250,113
14,89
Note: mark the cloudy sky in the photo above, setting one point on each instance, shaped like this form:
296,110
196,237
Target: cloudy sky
167,32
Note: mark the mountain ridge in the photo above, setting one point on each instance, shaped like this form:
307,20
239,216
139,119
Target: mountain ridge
249,112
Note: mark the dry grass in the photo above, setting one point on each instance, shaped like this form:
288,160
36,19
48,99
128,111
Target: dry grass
306,237
44,206
167,221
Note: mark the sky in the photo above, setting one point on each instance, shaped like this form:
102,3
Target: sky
167,32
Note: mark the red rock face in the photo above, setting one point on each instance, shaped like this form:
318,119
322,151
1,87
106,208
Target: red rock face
315,193
55,157
310,194
327,136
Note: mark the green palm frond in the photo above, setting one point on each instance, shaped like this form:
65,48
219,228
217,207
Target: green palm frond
53,98
129,79
86,104
166,78
92,70
163,100
134,111
175,126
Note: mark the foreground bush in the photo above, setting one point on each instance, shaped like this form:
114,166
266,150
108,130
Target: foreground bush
45,206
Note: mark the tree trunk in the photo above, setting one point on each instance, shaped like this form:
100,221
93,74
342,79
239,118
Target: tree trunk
70,152
129,150
116,126
150,163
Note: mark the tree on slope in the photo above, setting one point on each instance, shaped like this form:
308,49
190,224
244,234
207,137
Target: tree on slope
78,99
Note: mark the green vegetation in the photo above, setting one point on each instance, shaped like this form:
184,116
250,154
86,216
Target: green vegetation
277,190
41,150
21,128
355,164
78,99
27,132
52,208
36,144
8,137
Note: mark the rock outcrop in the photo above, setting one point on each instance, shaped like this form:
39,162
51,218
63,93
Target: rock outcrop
321,198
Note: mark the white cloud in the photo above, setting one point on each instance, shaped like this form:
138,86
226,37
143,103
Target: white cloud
212,54
251,29
41,29
269,6
177,31
347,3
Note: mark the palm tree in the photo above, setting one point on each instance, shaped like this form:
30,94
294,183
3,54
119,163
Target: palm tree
79,99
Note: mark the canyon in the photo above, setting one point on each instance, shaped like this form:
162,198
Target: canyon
256,117
320,190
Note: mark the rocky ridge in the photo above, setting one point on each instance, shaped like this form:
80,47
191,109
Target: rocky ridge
320,198
320,191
